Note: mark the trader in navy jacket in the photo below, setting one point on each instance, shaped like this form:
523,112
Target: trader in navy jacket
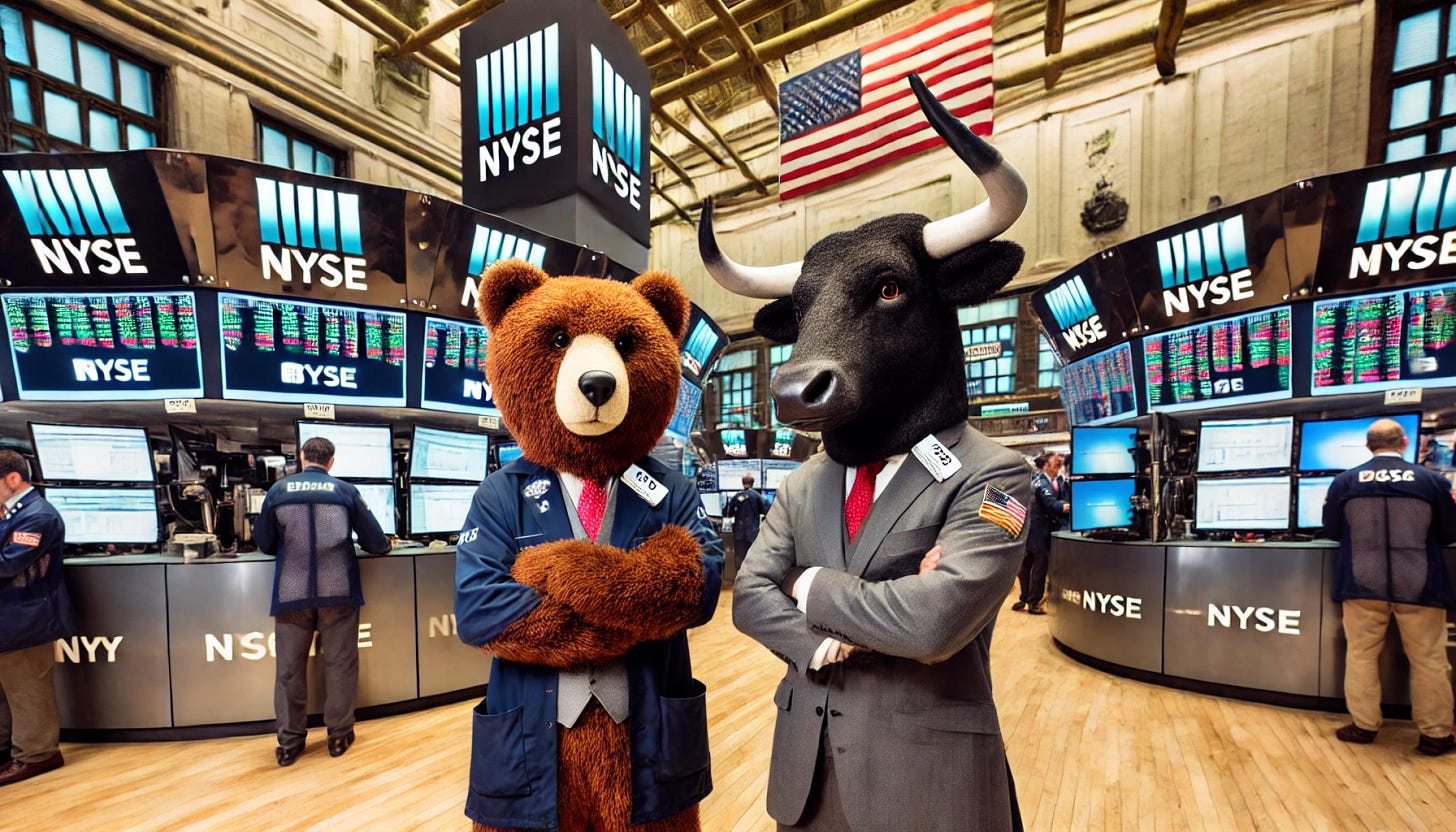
513,775
34,611
308,523
1392,519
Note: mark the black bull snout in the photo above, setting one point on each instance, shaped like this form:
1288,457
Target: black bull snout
815,395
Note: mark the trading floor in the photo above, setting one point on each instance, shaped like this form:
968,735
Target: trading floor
1090,752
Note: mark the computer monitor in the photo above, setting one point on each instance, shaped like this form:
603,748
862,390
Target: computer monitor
85,453
439,509
1243,504
712,503
1310,502
1230,445
1102,504
1098,451
379,496
107,515
362,452
507,452
448,455
732,471
775,471
1339,444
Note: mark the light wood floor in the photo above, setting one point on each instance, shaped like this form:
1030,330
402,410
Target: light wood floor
1089,751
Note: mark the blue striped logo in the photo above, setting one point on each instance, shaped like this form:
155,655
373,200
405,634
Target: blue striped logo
302,216
1070,303
491,245
1213,250
518,83
1406,205
67,203
616,112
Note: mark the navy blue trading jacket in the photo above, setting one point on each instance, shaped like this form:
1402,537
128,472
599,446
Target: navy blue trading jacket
308,523
1391,518
34,605
1047,512
747,508
513,755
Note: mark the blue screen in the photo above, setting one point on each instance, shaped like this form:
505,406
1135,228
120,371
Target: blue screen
1102,504
1311,509
448,455
508,452
1103,450
1340,445
107,515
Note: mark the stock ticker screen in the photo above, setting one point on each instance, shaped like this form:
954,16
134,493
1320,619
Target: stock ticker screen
79,347
1101,388
1384,341
1243,359
454,376
296,351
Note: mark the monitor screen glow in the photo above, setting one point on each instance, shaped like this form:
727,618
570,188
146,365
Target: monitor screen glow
448,455
1245,445
79,453
1101,388
439,509
1235,360
380,499
1246,504
1339,445
107,515
361,452
1102,504
775,471
1103,451
1311,501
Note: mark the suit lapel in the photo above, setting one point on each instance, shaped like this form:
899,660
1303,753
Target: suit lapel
909,483
544,500
827,507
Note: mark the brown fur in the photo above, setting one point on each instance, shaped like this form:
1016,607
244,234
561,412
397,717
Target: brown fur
524,309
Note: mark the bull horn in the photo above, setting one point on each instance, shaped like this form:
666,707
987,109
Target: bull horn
1005,189
749,281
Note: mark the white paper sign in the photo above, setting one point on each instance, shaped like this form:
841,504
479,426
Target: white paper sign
1407,395
646,485
936,458
180,405
318,411
489,422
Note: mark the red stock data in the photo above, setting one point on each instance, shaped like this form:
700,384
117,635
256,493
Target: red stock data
138,323
1387,340
1236,358
1100,388
306,329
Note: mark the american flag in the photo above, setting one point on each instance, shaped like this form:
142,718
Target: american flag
1002,509
857,112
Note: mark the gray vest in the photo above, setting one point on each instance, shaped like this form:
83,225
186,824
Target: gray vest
605,682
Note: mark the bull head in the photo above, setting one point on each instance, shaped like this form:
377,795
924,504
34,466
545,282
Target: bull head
877,361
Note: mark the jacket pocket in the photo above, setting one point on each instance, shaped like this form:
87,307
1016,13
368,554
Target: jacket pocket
684,734
955,718
498,754
784,696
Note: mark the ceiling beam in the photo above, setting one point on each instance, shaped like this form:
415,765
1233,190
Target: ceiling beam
631,14
743,167
678,208
709,30
692,137
671,165
1056,26
436,29
675,34
1170,28
744,47
431,55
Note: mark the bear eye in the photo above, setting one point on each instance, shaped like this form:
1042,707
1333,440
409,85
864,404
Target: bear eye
625,343
561,340
889,289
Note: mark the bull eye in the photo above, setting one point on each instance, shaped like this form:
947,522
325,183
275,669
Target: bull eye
625,343
560,340
889,290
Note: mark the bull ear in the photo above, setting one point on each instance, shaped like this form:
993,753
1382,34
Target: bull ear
974,274
502,285
777,321
666,296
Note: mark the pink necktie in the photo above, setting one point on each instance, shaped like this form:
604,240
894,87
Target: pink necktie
861,497
591,506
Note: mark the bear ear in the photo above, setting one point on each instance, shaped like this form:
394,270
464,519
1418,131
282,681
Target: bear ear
666,296
503,284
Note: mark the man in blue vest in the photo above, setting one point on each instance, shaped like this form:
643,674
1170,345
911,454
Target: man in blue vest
1392,518
308,523
34,611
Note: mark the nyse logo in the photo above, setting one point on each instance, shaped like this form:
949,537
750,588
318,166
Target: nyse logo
318,375
1205,267
71,649
1264,619
516,87
111,369
443,626
315,230
1406,223
256,646
1118,606
1076,316
490,246
616,131
477,390
75,221
1227,386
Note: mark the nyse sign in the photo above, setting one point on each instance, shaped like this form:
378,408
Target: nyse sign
310,234
75,222
1117,606
257,645
616,131
1205,267
517,103
1259,619
1407,223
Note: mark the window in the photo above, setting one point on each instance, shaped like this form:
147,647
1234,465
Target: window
69,91
285,147
1413,106
1048,371
735,380
988,334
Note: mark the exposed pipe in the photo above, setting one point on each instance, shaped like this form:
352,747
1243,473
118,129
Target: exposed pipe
430,55
436,29
168,30
1056,26
671,165
675,34
744,47
1171,20
743,167
706,31
687,133
631,14
670,201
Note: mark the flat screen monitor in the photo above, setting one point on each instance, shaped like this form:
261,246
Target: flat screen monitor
1100,451
1233,361
453,375
1384,341
101,347
1100,389
775,471
689,395
1228,445
731,472
1102,504
507,452
439,509
1339,445
107,515
1310,502
379,496
448,455
1249,504
361,452
712,503
81,453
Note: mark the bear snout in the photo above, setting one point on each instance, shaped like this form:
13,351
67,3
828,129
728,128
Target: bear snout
592,386
597,386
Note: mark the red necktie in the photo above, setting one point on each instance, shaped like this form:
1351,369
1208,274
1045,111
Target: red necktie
591,506
861,497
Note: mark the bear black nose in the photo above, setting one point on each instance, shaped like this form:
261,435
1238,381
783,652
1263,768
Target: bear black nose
597,386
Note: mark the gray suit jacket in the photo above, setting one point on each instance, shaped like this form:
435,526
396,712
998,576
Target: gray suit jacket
909,721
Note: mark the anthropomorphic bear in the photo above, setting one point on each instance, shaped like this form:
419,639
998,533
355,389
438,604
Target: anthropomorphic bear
582,564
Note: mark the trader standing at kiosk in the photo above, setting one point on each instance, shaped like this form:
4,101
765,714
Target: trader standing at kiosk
1392,518
34,611
308,522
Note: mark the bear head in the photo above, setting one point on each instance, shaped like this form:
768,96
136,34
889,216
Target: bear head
584,370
